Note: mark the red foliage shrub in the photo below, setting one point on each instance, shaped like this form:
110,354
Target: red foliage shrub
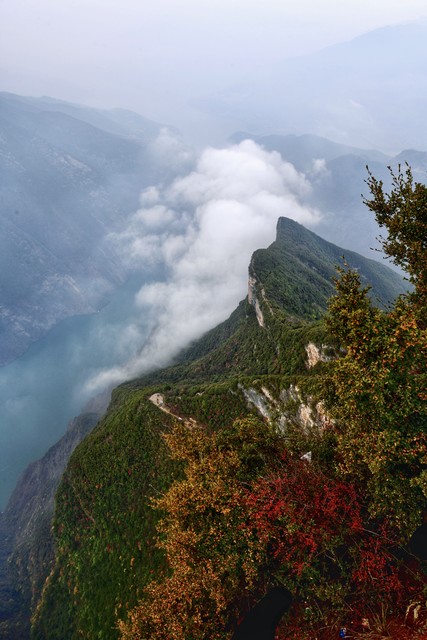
318,539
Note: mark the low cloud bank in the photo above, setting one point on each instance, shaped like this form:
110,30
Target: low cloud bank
201,231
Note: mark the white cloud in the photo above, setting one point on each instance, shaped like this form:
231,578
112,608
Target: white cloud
319,166
203,228
172,151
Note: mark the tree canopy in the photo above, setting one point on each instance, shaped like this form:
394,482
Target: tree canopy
379,385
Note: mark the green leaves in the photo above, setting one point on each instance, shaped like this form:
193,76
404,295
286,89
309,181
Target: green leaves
379,398
403,213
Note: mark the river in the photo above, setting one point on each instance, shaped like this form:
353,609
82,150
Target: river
43,389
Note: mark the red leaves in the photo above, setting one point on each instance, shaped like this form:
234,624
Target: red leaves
300,512
317,535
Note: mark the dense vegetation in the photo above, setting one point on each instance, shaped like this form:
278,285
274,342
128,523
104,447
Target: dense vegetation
297,272
253,470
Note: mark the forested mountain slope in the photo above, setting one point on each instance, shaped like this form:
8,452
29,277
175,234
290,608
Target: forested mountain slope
69,175
262,364
26,543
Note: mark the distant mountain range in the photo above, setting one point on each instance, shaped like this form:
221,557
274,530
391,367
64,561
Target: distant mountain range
68,176
337,175
368,92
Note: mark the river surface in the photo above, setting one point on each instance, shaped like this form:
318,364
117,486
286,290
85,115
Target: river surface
43,389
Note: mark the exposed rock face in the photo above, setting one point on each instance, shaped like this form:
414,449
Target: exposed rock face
262,401
253,300
288,407
26,542
316,354
256,295
304,412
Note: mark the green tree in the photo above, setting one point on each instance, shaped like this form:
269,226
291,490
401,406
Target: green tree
379,385
403,214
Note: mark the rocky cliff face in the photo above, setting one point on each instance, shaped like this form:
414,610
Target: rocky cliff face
26,542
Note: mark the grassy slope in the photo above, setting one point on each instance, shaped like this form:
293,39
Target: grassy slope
104,524
298,269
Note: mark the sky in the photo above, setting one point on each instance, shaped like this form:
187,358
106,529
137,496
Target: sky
158,57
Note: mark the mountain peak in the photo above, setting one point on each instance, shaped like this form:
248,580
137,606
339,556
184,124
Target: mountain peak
296,272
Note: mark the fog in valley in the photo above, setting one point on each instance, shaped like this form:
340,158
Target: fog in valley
202,229
169,141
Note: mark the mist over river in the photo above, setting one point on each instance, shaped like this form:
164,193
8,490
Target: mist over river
42,390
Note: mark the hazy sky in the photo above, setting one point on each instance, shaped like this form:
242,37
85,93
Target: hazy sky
154,57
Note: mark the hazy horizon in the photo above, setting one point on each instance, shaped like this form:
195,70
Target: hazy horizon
159,60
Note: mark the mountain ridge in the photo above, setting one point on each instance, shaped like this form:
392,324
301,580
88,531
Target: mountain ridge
336,92
240,368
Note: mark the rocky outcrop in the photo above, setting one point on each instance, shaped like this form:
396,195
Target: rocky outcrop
256,295
261,400
288,407
253,300
317,354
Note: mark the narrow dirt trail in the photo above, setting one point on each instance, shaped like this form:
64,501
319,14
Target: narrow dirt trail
159,401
